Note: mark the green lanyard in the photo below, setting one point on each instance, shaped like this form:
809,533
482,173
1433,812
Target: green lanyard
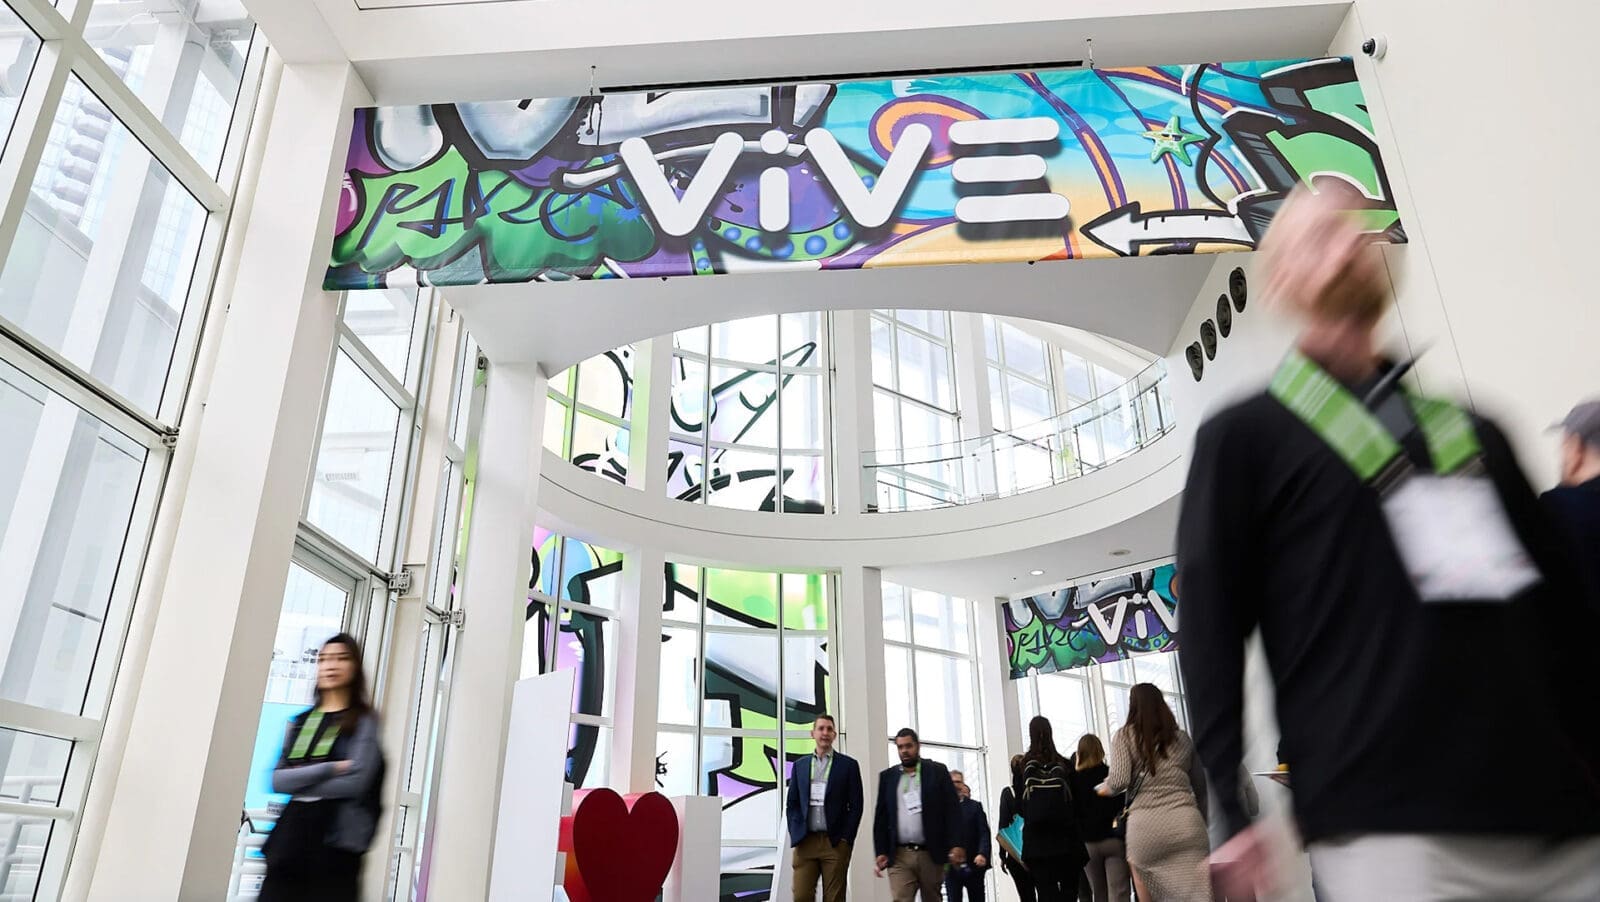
1347,427
916,779
308,731
827,768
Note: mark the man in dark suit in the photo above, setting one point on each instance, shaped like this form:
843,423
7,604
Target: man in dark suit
973,834
824,811
915,828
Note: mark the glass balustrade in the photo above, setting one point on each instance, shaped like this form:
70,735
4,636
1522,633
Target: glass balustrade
1073,443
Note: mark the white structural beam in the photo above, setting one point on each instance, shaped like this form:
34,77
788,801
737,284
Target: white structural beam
854,429
200,694
298,30
633,740
864,714
494,586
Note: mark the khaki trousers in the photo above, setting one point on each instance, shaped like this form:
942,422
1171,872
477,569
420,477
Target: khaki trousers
817,857
912,871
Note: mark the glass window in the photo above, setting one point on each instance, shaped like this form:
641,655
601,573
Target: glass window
1024,352
99,270
760,422
569,626
940,621
924,370
186,68
946,711
1075,377
20,51
931,680
67,491
314,606
765,674
351,488
594,432
382,319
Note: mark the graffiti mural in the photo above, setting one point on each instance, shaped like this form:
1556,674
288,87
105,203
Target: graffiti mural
725,442
1097,622
763,678
593,401
981,168
568,570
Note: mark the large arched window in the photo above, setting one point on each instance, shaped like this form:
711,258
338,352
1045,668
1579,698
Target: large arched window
749,414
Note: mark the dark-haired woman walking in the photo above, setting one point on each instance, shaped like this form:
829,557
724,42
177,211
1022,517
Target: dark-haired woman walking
331,767
1051,847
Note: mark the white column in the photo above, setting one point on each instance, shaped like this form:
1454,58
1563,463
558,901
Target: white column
854,431
972,393
652,415
633,735
494,589
864,711
999,705
173,817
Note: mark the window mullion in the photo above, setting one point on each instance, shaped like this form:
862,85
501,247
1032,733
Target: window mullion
144,125
30,132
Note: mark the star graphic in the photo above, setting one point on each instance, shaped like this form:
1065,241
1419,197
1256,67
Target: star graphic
1172,139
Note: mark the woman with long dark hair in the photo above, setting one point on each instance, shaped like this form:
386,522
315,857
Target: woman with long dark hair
1008,811
1051,847
331,768
1154,762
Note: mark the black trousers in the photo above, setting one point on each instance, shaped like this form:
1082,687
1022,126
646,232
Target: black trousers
1055,879
301,866
1021,877
964,880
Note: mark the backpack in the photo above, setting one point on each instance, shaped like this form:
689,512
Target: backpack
1046,797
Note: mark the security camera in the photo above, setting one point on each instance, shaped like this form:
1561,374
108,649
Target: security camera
1376,46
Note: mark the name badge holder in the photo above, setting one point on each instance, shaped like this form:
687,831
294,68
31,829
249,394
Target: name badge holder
1449,527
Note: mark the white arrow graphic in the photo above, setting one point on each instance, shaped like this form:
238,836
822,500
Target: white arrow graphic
1125,229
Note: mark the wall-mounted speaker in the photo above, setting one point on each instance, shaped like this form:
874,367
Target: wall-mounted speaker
1224,316
1238,289
1197,360
1208,339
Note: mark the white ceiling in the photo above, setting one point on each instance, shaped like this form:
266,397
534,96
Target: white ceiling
417,52
1147,537
557,324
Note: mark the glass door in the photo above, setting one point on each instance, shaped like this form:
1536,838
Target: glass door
318,603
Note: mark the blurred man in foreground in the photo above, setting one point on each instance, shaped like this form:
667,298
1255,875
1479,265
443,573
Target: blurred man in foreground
1396,562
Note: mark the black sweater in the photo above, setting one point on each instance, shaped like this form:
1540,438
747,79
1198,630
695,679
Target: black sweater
1396,716
1095,812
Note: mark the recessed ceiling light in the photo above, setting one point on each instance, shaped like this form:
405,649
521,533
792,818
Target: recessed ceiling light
1036,573
1121,552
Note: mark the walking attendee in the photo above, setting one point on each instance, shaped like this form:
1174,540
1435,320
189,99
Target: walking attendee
1107,870
1010,864
1154,763
1051,846
1575,503
1380,542
915,823
973,835
824,811
332,769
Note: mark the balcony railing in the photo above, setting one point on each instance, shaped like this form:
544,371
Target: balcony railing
1079,441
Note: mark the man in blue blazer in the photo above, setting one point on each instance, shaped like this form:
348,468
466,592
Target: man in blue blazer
824,810
917,824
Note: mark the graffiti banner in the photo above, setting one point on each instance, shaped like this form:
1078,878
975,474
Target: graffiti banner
1097,622
991,168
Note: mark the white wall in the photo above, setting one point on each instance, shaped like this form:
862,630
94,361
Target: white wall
1486,123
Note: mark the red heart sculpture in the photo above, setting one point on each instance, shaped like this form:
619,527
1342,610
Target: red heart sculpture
620,851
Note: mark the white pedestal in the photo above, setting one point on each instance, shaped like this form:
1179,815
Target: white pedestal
533,791
697,872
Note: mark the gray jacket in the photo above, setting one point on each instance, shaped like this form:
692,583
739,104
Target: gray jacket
354,823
